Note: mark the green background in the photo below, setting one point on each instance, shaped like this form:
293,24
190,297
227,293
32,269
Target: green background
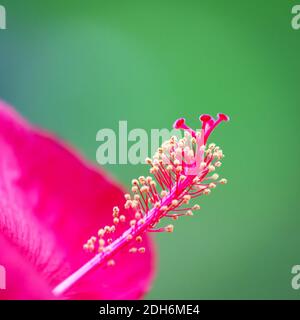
75,67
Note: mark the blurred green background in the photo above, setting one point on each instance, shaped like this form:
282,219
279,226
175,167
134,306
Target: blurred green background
75,67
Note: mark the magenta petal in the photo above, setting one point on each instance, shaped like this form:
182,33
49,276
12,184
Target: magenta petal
54,200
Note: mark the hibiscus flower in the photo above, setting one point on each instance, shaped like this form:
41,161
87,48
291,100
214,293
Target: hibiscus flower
51,199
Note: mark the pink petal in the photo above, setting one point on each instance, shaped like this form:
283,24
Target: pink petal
54,200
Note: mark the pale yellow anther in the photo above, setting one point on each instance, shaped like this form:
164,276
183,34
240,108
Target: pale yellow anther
189,213
215,176
129,237
132,250
206,191
101,242
116,220
218,164
128,204
169,228
139,239
154,170
90,247
134,189
223,181
178,169
148,161
93,239
176,162
141,221
127,196
211,168
132,223
174,203
111,263
187,197
116,212
208,152
169,167
202,165
163,193
138,216
164,208
212,185
142,250
212,146
135,182
144,189
101,233
112,229
122,218
182,178
142,180
116,209
153,184
157,204
196,207
134,204
220,155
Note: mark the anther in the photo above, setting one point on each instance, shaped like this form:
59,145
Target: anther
132,223
101,242
169,228
139,239
215,176
101,233
111,263
223,181
138,216
127,196
206,191
142,250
